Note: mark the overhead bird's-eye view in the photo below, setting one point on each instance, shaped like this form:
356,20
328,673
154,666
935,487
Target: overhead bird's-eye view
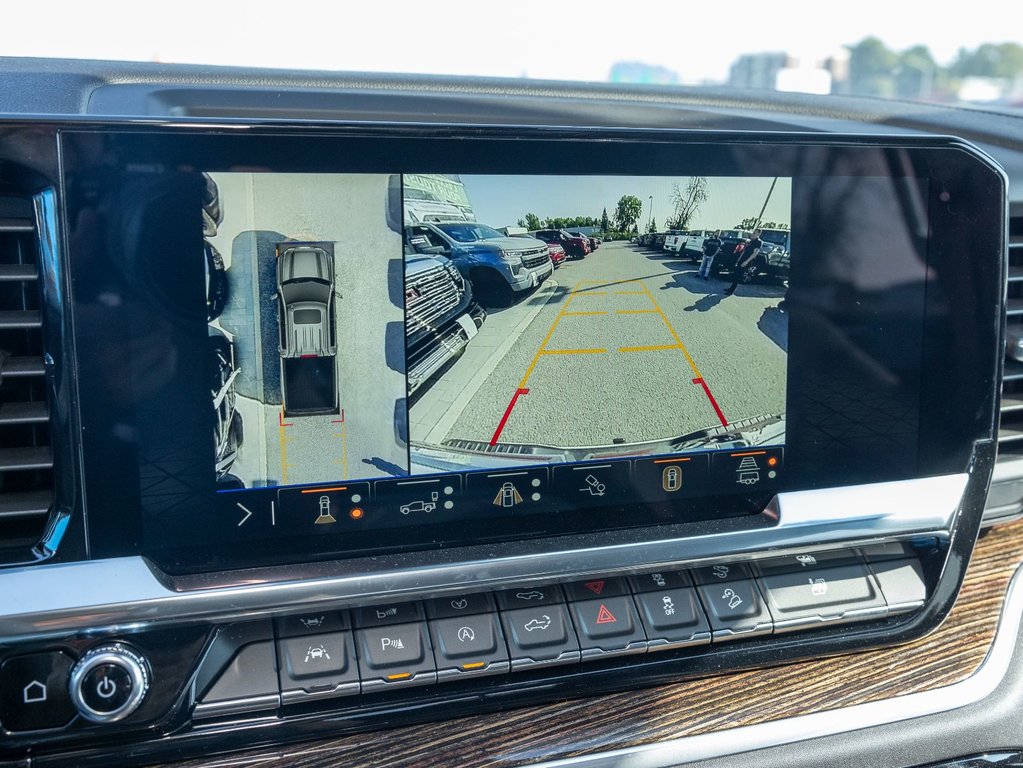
511,387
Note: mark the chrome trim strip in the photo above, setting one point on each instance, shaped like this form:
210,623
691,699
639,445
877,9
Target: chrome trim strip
124,593
775,733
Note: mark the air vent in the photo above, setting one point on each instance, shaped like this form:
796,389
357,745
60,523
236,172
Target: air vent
1010,435
26,462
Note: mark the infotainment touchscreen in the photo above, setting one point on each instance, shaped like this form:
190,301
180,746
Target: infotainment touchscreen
303,347
549,356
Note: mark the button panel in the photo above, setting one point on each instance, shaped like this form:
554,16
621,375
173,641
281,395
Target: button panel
323,654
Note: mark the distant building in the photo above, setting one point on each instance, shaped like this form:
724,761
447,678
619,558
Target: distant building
638,72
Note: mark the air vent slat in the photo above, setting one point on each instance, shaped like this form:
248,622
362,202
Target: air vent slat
25,459
25,504
1015,274
1012,403
1013,371
1014,307
16,367
8,224
26,319
23,413
13,273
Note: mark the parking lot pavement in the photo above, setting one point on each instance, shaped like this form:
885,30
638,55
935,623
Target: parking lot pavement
634,346
261,210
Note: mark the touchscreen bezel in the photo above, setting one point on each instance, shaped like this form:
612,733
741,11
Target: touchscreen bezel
958,404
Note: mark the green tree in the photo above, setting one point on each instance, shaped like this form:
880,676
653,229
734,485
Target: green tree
653,225
628,211
871,67
605,221
531,222
1003,60
687,202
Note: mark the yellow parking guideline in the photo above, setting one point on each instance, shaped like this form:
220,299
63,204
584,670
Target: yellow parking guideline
653,348
543,344
573,351
582,314
284,450
671,328
635,311
628,293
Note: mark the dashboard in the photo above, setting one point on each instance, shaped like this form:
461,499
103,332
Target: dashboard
333,406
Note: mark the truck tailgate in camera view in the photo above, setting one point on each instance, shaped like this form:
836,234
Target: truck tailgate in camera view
632,352
305,295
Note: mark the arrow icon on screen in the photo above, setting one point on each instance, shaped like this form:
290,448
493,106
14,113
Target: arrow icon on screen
248,514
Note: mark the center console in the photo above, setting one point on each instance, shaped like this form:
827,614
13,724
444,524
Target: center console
360,424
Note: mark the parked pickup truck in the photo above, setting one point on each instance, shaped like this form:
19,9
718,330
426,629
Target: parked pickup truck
675,240
441,316
308,329
498,266
693,244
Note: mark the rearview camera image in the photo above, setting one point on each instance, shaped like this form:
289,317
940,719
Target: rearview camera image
306,314
624,316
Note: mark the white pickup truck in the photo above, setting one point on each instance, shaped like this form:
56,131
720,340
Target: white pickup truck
675,240
693,245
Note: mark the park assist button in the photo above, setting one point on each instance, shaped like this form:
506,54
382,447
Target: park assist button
316,622
34,692
400,653
510,491
469,645
609,626
540,635
673,618
671,477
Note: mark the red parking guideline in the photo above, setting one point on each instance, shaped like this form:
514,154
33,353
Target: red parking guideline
507,413
713,402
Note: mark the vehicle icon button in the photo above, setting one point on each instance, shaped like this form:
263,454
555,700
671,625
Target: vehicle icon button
530,597
540,636
511,491
460,605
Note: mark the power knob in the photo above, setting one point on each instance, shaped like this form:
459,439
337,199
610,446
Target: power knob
109,683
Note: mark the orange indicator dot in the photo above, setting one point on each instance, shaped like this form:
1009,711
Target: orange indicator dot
357,513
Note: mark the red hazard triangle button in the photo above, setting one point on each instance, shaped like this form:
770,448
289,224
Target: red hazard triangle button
596,587
604,616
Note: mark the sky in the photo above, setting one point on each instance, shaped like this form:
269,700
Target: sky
502,200
570,39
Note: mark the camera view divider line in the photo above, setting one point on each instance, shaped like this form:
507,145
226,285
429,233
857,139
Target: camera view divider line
522,389
698,379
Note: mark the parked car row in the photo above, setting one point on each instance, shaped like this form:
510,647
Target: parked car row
450,266
772,261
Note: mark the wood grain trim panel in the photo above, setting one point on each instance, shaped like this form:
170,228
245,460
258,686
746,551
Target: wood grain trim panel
563,729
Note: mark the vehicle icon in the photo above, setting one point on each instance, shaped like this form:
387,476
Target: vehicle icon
541,623
419,505
316,652
533,594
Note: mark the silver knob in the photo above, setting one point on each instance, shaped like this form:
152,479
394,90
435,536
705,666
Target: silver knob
109,683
